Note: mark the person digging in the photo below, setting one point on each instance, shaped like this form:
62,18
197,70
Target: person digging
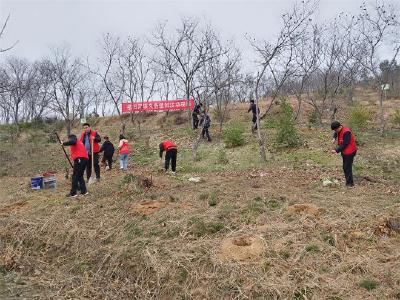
170,155
195,115
80,158
347,147
205,122
91,139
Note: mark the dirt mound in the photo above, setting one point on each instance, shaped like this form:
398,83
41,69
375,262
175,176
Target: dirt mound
304,208
241,248
148,207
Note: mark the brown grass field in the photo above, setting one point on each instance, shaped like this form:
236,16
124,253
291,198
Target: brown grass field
246,231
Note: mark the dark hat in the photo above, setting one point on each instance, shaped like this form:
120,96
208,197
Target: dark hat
335,125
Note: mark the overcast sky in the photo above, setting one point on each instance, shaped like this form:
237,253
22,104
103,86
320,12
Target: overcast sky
37,25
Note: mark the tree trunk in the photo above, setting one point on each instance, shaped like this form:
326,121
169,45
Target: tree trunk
195,147
299,100
260,137
350,94
382,113
188,104
68,121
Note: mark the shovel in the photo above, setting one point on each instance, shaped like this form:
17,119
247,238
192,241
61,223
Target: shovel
91,179
66,155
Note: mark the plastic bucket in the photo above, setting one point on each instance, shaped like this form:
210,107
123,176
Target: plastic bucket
36,183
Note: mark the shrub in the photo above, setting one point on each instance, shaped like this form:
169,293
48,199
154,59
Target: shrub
272,122
222,158
233,135
287,135
396,117
313,118
358,118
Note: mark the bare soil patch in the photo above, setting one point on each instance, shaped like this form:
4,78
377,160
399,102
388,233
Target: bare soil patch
241,248
304,208
148,207
11,208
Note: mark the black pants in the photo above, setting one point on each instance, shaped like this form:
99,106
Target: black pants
348,168
195,121
77,176
108,159
96,166
254,120
205,132
170,155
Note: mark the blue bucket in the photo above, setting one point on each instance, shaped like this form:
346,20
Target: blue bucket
36,183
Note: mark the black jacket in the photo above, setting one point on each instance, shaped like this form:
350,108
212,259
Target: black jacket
253,109
107,148
71,141
205,121
196,110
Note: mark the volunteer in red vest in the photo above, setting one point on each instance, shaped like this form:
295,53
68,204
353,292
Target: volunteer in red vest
347,147
87,136
170,155
80,157
123,153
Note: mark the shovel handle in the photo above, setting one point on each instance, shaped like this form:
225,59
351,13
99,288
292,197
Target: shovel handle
66,155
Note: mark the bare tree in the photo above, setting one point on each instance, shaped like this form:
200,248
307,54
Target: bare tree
243,89
184,54
40,94
220,75
295,24
139,75
5,100
67,75
2,31
20,78
378,25
108,69
306,59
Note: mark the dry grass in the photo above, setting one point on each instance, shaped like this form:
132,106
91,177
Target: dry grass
165,241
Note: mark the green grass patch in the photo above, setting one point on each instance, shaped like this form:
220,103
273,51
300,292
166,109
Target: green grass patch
201,228
256,206
368,284
132,230
312,248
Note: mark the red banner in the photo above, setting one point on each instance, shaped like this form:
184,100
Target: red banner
181,104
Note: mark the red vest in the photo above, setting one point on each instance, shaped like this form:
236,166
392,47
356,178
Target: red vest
167,145
96,146
125,148
78,151
351,147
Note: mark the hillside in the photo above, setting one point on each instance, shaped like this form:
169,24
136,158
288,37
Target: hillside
245,231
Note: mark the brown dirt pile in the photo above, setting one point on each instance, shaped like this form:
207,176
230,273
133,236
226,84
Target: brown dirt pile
241,248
